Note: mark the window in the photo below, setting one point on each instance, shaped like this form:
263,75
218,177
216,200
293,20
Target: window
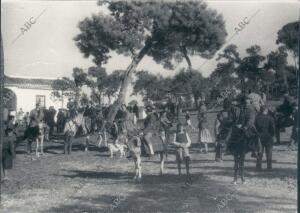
41,99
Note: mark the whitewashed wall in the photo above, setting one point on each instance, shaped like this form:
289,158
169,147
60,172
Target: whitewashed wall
26,98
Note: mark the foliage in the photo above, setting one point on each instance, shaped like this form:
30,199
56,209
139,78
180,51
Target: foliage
161,30
112,83
63,88
288,35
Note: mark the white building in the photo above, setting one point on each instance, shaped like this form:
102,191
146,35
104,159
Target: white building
26,92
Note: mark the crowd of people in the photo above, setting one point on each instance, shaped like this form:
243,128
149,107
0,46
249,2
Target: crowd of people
250,113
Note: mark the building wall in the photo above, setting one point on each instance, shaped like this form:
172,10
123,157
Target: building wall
26,98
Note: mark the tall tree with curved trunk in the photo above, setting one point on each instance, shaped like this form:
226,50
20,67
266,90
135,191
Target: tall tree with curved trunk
161,30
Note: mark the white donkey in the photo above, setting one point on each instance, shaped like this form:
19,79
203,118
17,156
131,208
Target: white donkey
135,148
43,131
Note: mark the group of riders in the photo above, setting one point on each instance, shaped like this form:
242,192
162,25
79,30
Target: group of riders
247,116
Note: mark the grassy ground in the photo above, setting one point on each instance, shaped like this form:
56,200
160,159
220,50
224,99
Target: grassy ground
92,182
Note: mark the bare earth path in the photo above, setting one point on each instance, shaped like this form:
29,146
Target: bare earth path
92,182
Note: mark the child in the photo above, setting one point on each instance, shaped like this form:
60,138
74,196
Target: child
182,141
188,122
204,136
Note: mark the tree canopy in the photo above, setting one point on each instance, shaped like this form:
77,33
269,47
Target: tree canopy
288,35
161,30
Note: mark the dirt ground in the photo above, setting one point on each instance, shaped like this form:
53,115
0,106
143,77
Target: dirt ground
92,182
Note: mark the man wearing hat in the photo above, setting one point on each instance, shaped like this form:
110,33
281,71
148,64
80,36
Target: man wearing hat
247,122
265,126
36,116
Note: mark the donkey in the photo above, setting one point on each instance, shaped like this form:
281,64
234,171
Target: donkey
136,146
238,146
71,130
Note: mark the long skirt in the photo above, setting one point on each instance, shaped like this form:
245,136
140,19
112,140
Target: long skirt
205,136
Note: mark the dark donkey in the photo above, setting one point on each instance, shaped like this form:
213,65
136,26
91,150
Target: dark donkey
238,146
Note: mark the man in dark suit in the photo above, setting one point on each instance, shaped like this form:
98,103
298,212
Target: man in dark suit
265,126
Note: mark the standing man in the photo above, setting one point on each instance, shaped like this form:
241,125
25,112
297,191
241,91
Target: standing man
51,122
36,116
265,126
61,121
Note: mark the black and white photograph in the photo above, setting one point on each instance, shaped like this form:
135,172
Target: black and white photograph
148,106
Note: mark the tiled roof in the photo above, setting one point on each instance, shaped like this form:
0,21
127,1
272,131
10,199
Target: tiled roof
28,83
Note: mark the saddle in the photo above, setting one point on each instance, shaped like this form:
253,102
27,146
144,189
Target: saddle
157,145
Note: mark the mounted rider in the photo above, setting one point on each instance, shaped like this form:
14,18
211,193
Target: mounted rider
247,123
36,116
151,125
72,107
224,122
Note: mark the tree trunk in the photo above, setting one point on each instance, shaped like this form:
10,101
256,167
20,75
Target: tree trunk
1,108
77,94
286,85
127,79
188,61
109,99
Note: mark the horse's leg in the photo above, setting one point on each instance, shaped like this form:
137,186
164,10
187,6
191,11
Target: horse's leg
87,143
37,147
111,152
269,147
236,165
259,159
187,165
29,145
162,162
178,160
70,145
66,144
217,156
139,167
242,160
136,168
42,145
277,133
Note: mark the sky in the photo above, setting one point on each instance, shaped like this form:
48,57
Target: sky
47,48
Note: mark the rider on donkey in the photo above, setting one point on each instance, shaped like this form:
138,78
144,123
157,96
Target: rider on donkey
36,116
247,123
151,127
225,120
